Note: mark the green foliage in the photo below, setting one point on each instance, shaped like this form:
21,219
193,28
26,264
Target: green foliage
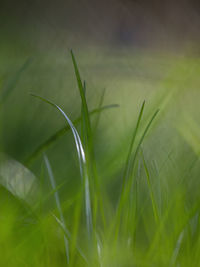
145,214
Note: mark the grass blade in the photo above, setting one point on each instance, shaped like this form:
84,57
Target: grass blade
57,199
127,188
85,113
128,160
155,209
93,181
142,138
53,138
66,233
82,163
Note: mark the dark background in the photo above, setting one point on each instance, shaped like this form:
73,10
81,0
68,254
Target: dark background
116,22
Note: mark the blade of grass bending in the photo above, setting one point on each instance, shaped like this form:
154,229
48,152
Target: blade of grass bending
124,195
82,163
155,209
12,83
136,153
57,199
128,159
142,138
52,139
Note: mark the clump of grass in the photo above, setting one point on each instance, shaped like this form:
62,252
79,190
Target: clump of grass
139,229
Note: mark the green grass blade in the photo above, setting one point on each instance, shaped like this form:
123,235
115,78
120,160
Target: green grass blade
155,209
53,138
82,164
142,138
126,192
57,199
79,147
85,132
60,223
128,159
85,112
93,181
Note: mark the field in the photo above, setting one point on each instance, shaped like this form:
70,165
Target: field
99,157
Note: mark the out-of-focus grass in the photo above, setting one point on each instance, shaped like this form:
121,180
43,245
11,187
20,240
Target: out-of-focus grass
158,224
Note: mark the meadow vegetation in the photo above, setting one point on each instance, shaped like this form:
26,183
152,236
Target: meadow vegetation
111,183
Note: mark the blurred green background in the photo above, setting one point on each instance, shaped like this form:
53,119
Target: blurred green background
135,50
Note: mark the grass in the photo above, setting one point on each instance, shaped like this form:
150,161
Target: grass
144,212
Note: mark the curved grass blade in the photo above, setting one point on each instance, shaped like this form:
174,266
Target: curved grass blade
126,192
137,150
53,138
82,164
57,199
128,160
142,138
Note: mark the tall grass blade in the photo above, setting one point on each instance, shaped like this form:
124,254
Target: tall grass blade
93,181
128,159
142,138
85,113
